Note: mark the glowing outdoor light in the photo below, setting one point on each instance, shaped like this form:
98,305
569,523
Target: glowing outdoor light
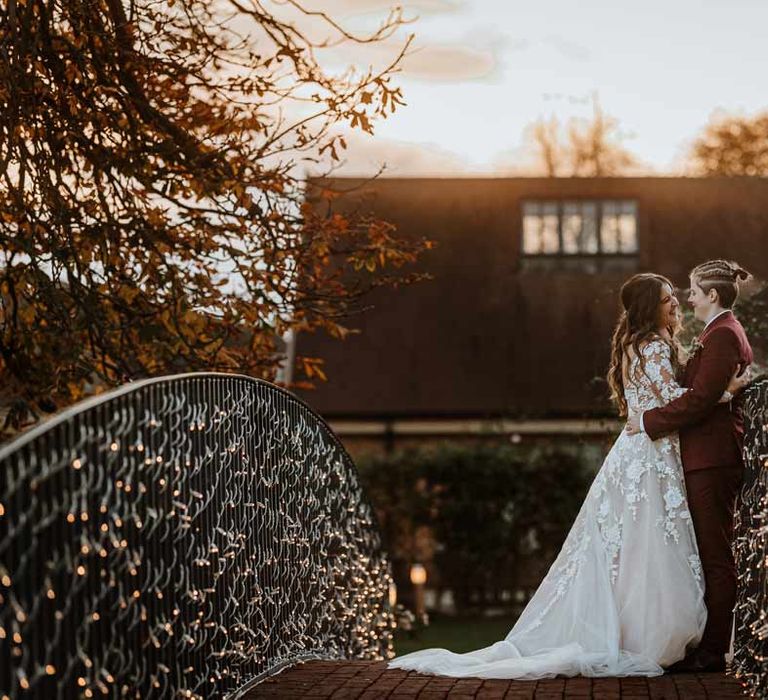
392,595
418,579
418,575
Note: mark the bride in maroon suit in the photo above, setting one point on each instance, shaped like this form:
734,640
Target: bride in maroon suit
625,596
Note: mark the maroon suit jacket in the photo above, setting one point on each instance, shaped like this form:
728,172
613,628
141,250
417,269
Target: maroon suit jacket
711,433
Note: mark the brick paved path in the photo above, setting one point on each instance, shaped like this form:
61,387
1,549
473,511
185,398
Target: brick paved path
372,681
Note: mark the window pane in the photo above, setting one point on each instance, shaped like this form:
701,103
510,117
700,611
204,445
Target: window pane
579,228
628,227
549,235
609,233
540,228
618,228
589,234
531,229
572,225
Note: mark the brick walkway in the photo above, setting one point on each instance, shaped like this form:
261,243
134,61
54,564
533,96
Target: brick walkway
372,681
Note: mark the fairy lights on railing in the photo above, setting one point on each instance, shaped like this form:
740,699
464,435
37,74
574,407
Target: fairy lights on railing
750,663
182,538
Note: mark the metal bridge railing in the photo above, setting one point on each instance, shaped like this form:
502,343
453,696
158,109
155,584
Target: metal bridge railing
750,663
183,537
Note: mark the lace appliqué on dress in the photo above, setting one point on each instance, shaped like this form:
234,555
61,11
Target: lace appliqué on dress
626,470
625,594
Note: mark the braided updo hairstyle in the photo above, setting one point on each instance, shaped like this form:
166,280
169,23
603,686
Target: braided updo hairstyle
722,276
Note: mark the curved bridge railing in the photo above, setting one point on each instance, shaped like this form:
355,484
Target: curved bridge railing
183,537
750,662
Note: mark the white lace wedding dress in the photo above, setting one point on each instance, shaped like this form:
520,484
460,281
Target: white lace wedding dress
625,594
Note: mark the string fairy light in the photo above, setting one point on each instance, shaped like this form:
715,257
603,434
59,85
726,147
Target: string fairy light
184,537
750,660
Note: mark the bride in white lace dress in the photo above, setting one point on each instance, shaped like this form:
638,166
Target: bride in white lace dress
625,594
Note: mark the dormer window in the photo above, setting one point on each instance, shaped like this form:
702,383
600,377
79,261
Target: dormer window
606,227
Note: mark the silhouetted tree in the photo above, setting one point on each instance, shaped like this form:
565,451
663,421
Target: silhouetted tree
580,148
545,137
732,145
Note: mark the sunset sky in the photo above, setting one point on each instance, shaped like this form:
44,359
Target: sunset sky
483,69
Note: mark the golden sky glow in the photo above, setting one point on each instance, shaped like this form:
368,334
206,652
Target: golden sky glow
484,69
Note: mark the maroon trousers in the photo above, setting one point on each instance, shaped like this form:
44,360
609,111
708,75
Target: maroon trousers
711,500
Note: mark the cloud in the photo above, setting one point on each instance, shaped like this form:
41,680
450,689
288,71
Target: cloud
436,6
410,7
450,63
569,49
475,57
365,156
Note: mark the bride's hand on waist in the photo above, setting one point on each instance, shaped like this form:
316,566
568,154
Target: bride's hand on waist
737,382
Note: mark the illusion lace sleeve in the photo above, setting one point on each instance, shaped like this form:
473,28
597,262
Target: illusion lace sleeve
659,373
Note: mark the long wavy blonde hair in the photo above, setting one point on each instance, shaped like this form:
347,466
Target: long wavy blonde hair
638,322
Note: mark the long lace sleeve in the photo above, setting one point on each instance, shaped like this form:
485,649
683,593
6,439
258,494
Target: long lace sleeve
659,372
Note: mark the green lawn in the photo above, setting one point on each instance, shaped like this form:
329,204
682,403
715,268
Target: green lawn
458,634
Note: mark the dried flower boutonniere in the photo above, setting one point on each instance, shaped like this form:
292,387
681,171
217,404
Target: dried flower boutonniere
695,349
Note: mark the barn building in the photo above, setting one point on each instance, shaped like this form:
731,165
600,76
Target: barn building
510,336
